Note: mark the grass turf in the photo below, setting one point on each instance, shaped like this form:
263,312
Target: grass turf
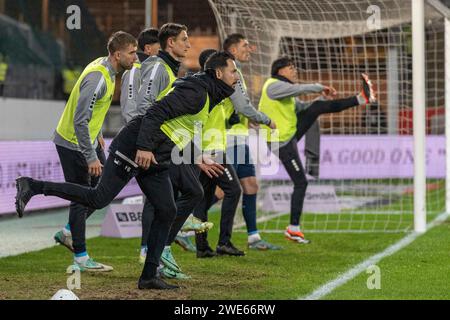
419,271
290,273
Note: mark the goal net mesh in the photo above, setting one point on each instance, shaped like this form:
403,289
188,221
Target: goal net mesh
365,171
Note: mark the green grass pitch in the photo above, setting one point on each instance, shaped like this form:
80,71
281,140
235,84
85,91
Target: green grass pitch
416,272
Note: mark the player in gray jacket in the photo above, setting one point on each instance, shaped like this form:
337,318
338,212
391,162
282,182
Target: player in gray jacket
149,46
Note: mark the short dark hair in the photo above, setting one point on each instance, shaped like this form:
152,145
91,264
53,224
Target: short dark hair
281,63
147,36
120,40
232,39
204,56
169,30
218,60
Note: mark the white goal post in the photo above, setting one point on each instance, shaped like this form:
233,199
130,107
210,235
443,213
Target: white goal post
404,46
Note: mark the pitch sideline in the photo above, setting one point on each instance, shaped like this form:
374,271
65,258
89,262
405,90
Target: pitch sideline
330,286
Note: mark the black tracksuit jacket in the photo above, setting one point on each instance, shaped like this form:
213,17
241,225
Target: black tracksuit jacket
189,97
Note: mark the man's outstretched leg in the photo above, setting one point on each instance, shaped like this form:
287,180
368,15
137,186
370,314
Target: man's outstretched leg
307,118
116,174
73,235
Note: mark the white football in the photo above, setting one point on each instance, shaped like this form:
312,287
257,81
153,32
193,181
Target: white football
64,294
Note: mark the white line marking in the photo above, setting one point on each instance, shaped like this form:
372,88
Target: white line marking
355,271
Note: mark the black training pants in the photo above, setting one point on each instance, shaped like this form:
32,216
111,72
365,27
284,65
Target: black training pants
229,183
75,169
188,192
154,183
289,155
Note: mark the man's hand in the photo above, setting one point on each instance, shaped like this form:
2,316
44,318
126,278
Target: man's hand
329,92
272,125
253,125
144,159
95,168
102,143
211,170
210,167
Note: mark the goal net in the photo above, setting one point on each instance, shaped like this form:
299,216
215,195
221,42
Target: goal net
365,169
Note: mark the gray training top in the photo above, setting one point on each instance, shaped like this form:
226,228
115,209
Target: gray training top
92,88
131,82
153,80
242,104
283,89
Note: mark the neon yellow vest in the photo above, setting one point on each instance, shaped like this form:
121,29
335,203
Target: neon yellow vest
214,135
65,126
181,130
70,77
172,79
241,128
281,111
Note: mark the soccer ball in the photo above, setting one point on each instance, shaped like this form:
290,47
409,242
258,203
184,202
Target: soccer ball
64,294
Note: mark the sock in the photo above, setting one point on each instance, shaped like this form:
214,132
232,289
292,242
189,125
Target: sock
294,228
249,212
81,257
254,237
66,230
143,250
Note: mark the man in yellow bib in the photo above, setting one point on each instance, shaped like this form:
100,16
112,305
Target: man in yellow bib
294,118
214,142
243,112
79,141
158,75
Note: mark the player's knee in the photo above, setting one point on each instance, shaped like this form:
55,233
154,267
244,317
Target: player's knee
251,188
255,188
99,201
249,185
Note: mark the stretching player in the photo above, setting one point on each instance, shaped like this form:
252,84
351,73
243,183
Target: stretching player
158,75
294,118
166,129
79,141
156,78
237,145
214,142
